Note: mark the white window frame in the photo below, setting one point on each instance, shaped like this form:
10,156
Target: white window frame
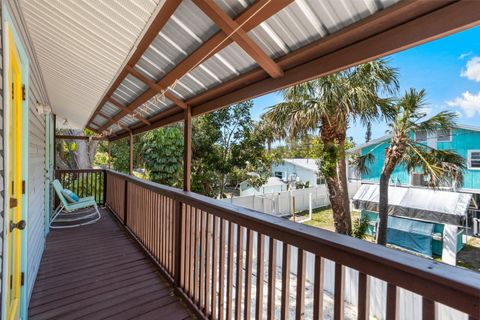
449,136
415,136
469,159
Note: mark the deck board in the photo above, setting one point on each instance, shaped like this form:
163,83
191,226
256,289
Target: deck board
99,272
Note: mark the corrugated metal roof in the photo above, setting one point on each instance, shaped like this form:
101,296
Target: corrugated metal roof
297,25
81,45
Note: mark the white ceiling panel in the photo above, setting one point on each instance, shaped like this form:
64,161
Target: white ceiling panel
82,45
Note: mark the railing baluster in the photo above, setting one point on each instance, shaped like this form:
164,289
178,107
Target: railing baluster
338,295
428,309
188,248
272,277
214,267
202,260
363,296
300,298
208,266
392,297
196,258
179,252
230,270
248,275
193,226
286,256
260,275
221,265
238,288
318,288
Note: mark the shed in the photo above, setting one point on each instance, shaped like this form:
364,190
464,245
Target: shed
424,221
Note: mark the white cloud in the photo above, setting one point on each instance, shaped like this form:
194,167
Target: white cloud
472,71
468,102
464,55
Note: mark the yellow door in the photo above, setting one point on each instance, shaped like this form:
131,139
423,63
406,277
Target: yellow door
15,222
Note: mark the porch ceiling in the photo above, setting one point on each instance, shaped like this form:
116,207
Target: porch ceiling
81,45
205,55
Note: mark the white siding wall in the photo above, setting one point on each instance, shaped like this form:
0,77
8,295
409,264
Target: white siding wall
303,174
1,161
36,152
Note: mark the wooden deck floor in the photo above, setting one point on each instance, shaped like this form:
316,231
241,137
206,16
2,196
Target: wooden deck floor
99,272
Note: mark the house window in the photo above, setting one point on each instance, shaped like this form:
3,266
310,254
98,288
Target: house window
444,135
320,180
474,159
418,180
421,136
278,174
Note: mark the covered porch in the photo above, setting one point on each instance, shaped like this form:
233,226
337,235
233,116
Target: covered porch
161,252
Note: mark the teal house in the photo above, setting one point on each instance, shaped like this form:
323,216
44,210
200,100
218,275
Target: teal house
409,188
463,139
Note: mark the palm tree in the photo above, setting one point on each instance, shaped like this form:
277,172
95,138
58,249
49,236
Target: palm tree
326,106
442,167
269,132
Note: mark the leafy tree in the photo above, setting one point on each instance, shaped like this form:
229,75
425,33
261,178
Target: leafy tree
163,155
76,154
442,167
328,104
205,155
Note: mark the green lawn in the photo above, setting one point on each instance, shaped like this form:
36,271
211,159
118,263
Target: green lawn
322,218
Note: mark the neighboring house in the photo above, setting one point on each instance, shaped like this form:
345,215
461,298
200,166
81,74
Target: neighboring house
272,185
300,170
463,139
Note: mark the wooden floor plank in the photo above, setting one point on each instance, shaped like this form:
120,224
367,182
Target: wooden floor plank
99,272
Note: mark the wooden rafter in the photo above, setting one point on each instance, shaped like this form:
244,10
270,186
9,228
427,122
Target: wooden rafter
155,86
67,137
399,27
249,19
234,30
122,107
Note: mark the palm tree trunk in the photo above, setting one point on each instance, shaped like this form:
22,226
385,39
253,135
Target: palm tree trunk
222,185
341,216
383,208
342,177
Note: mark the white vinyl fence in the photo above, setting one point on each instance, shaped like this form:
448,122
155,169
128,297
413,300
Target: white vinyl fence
283,203
409,303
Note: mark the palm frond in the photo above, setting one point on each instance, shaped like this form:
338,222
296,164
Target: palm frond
443,167
361,163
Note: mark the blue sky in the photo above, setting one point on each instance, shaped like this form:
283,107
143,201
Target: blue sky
448,69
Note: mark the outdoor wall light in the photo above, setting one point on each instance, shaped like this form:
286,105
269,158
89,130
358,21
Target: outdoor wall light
43,108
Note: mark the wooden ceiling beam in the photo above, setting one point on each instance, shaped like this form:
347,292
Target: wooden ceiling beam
67,137
233,30
122,107
157,24
250,18
155,86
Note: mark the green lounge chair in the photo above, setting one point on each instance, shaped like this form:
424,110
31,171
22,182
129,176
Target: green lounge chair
69,212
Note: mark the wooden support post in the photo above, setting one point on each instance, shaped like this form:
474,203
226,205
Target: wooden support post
187,148
54,142
109,155
131,153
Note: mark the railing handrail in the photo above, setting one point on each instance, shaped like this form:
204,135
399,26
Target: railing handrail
80,170
434,280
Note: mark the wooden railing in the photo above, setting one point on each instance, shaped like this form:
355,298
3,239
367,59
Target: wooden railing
84,182
219,258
